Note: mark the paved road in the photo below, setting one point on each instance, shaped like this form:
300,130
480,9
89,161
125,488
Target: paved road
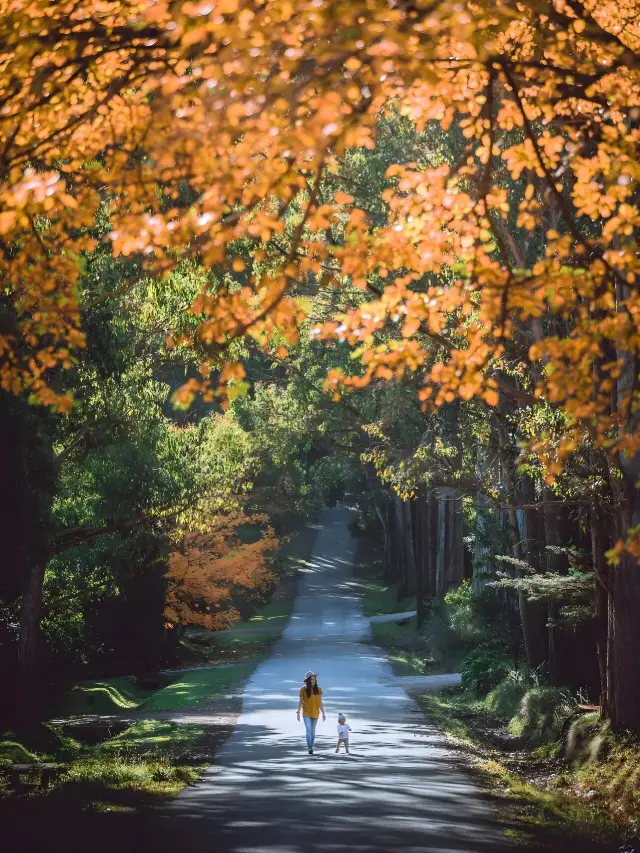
399,790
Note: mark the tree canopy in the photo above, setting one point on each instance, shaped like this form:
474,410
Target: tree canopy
423,212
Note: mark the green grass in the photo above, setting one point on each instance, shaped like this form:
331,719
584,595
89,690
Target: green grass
12,751
407,650
150,761
110,696
379,598
275,613
195,691
157,739
410,652
156,758
598,800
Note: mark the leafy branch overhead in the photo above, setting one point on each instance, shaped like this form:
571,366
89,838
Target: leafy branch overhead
252,106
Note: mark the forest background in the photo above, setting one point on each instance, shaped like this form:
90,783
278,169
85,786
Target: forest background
255,256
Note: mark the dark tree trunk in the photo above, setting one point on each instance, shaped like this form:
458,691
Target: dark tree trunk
600,543
623,669
409,580
555,563
386,547
560,645
450,544
534,613
401,557
395,544
431,546
29,687
172,641
623,666
419,540
27,477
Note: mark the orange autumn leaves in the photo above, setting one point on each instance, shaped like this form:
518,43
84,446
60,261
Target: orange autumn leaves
208,569
252,105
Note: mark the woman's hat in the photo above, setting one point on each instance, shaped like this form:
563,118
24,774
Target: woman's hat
308,674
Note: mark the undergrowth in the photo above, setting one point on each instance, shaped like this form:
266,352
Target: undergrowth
533,742
530,741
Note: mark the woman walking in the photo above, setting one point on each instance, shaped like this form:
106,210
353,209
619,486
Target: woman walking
311,706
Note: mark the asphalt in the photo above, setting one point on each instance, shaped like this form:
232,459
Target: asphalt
400,789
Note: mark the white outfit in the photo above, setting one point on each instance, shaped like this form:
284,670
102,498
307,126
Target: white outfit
343,731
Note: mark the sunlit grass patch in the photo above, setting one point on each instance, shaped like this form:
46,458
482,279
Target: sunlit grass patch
195,690
14,752
157,738
101,778
109,696
274,611
545,794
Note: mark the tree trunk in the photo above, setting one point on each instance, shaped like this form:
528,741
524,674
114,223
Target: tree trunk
401,557
533,613
455,573
441,546
418,538
386,548
528,609
600,543
623,667
556,562
431,545
409,585
395,549
28,682
450,543
172,639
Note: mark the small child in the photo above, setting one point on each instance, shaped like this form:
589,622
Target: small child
343,733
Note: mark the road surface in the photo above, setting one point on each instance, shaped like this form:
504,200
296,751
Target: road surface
400,789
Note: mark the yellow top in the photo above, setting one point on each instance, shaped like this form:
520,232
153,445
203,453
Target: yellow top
311,704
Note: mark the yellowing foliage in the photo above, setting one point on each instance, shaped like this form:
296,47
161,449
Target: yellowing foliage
208,568
251,104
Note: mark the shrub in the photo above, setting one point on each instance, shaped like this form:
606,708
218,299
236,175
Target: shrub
543,714
505,699
460,607
588,739
481,671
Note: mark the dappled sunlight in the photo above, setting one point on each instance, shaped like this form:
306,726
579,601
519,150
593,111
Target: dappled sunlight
399,789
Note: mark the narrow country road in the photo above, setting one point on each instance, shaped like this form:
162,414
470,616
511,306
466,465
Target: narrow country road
399,790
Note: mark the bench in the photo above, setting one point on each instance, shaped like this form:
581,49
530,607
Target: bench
47,773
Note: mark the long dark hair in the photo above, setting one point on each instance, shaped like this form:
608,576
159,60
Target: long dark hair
307,684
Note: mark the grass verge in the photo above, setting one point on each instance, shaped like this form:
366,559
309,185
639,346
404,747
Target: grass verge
427,651
198,691
148,761
542,796
156,758
110,696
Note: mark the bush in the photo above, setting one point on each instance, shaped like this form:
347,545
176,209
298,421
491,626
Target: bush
505,699
465,629
481,671
543,714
